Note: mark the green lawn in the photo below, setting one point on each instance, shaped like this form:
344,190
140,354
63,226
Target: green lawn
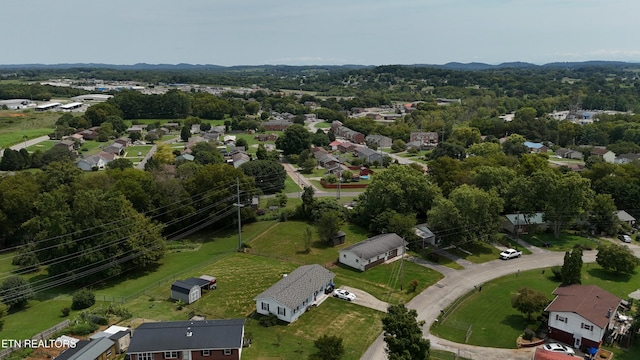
132,151
480,252
498,324
317,184
291,186
566,242
317,173
322,125
388,282
42,146
14,125
440,260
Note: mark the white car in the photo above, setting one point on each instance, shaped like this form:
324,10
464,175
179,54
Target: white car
559,348
344,295
625,238
510,254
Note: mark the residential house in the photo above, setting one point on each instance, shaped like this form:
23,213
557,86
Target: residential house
99,349
96,162
414,145
536,148
334,145
626,218
310,117
124,141
425,234
196,340
373,251
172,125
426,139
229,140
369,155
266,137
276,125
68,144
627,158
240,158
75,138
195,129
90,133
378,140
351,135
120,335
374,116
186,292
185,157
292,295
569,154
606,155
346,147
524,223
324,158
115,148
580,315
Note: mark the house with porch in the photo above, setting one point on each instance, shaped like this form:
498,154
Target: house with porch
606,155
373,251
292,295
581,315
522,223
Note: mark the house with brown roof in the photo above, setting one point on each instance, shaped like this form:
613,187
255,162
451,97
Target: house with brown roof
426,139
580,315
607,155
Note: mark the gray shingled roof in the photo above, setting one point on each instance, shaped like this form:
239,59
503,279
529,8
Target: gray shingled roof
296,287
182,286
87,350
172,335
624,216
376,245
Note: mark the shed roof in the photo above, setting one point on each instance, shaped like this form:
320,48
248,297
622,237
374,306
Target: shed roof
87,349
197,281
376,245
182,287
187,335
297,286
589,301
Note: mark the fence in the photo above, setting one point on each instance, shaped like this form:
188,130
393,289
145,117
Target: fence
41,336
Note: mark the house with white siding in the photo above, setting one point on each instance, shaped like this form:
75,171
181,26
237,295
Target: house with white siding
373,251
295,292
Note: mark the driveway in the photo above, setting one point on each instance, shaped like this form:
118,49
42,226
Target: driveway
365,299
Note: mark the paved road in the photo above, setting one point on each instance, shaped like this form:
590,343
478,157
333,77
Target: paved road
365,299
457,283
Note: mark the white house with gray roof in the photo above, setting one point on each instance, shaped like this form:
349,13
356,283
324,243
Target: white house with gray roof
294,293
373,251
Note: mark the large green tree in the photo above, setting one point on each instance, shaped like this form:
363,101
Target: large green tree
403,334
617,258
529,301
269,175
329,347
571,270
295,139
15,291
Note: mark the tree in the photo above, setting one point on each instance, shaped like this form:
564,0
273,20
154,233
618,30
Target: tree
564,197
403,334
269,175
398,146
529,301
185,133
347,175
120,164
295,139
4,310
617,258
164,154
514,145
307,201
262,153
83,299
571,271
15,291
603,214
241,142
308,165
328,225
329,348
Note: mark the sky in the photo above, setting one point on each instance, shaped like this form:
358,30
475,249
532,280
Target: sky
317,32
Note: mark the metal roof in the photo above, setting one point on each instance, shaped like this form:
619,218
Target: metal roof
297,286
182,286
376,245
87,350
187,335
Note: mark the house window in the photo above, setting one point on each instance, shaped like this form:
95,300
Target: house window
108,353
282,311
170,354
206,352
227,351
586,326
145,356
561,319
265,306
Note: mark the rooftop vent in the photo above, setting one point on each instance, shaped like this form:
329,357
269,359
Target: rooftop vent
189,332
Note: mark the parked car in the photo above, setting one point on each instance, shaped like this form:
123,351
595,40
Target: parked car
510,254
344,295
559,348
329,289
625,238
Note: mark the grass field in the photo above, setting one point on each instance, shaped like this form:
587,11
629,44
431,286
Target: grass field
498,324
480,252
566,242
14,125
132,151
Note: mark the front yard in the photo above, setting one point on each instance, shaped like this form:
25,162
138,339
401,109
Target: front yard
567,241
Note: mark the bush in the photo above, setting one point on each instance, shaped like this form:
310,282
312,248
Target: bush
83,328
528,334
65,311
413,285
268,320
82,299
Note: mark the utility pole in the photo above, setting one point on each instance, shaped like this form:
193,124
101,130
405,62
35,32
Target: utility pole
339,179
239,205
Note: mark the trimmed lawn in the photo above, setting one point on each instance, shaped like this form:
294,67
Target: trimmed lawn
318,173
285,240
567,241
388,282
132,151
291,186
480,252
445,355
322,125
440,260
317,184
498,324
42,146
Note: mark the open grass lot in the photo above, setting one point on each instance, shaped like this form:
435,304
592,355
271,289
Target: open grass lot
285,240
322,125
480,252
42,146
317,173
388,282
567,241
132,151
290,186
14,125
498,324
440,260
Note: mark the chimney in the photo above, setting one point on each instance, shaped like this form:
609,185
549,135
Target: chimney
609,313
189,332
